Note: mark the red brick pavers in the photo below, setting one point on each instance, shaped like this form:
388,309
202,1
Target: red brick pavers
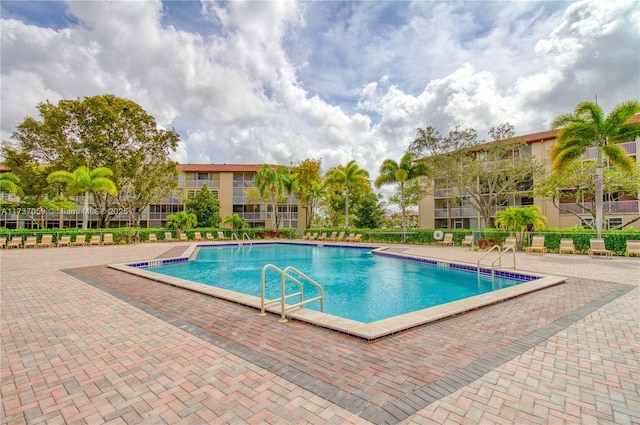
72,352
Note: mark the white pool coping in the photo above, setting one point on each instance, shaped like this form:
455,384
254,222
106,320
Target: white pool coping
368,331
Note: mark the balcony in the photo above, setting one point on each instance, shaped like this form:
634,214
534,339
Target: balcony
620,207
455,212
629,147
182,184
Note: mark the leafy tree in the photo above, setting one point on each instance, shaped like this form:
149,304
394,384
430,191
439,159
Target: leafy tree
407,170
588,127
368,211
578,185
270,183
10,183
235,221
205,206
181,220
87,182
102,131
309,173
520,220
345,179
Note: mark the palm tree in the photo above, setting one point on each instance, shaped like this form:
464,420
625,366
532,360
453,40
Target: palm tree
393,173
83,180
235,221
9,183
588,127
519,220
349,177
290,182
182,220
270,183
313,195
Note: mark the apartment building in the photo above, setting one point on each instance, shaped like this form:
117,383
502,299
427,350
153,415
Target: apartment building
230,183
443,210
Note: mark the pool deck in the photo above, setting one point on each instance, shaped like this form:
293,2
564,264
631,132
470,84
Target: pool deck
83,343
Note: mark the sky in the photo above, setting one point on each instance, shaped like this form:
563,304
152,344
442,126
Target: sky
280,82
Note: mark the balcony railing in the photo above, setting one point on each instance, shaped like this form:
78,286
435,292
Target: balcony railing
629,147
198,183
621,207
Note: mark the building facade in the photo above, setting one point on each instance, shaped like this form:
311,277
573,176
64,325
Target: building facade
231,184
442,210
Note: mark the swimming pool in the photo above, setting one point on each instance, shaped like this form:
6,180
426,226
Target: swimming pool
352,278
358,284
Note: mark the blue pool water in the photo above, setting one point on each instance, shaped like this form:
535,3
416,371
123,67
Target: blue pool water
357,284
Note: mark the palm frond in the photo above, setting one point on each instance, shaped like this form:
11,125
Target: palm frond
619,157
590,112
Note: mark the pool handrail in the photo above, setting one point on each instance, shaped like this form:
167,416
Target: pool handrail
501,252
284,274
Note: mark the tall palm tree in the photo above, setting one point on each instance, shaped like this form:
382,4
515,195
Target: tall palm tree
83,180
349,177
588,127
312,196
290,182
270,183
393,173
9,183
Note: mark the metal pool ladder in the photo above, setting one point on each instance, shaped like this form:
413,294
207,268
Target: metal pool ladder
499,258
284,275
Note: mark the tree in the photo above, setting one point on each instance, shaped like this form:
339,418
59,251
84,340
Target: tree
313,195
102,131
290,182
520,220
407,170
181,220
10,183
578,186
205,206
270,184
235,221
88,182
346,179
588,127
368,211
308,172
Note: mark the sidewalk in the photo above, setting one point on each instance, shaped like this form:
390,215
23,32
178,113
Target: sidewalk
84,344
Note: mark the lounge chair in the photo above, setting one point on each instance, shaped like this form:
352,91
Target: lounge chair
95,240
633,248
222,237
510,242
468,241
307,236
209,236
537,245
152,237
108,239
81,240
566,245
46,241
183,237
355,238
597,247
323,236
3,243
16,242
168,237
339,237
197,236
64,240
333,236
447,240
30,242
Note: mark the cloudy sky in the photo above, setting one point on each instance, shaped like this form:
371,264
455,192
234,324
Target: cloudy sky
278,82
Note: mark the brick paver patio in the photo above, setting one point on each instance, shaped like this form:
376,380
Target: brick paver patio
82,343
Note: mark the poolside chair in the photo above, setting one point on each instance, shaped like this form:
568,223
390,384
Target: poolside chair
81,240
355,238
46,241
633,248
468,241
340,237
183,237
323,236
153,237
510,242
30,242
95,240
168,237
3,243
333,236
209,236
64,240
307,236
16,242
537,245
597,247
108,239
222,237
197,236
566,245
447,240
